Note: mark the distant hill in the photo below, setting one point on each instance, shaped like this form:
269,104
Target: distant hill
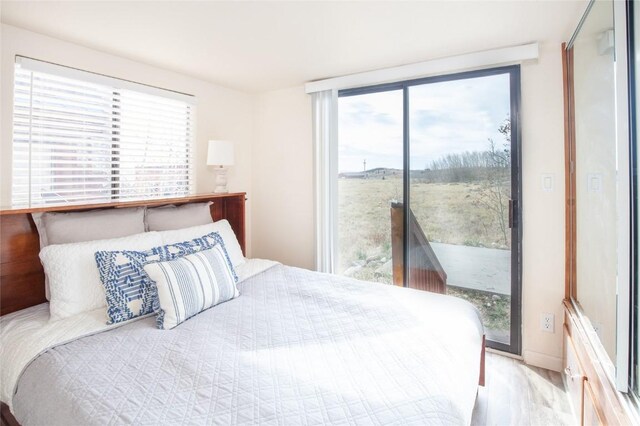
448,175
377,173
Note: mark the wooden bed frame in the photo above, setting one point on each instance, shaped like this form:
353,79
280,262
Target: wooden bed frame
21,273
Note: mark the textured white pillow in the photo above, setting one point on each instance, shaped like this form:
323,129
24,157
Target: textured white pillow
75,227
74,280
221,226
167,218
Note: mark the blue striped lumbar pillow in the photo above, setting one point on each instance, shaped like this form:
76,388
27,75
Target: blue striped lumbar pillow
191,284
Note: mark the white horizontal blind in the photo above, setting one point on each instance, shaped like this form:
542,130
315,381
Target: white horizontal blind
76,141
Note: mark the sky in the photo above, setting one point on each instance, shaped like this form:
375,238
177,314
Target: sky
447,117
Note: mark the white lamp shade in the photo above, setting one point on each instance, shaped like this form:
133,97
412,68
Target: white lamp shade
220,153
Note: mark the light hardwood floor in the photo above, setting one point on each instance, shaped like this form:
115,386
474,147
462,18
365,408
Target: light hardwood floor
517,394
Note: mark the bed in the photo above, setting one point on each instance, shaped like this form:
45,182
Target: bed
297,347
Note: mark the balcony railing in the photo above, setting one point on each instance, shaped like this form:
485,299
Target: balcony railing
425,271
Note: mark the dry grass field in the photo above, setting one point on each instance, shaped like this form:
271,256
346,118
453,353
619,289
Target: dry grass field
447,212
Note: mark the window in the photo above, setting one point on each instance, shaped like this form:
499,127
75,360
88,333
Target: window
80,137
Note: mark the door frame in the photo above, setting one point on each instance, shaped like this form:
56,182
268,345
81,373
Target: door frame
515,345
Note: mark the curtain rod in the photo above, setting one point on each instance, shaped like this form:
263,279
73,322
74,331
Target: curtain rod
504,55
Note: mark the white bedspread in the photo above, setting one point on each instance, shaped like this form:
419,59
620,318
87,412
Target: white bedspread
27,333
297,347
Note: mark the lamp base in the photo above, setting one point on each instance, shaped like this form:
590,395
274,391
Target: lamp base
221,181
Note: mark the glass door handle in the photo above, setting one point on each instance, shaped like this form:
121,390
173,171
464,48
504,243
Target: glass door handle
511,213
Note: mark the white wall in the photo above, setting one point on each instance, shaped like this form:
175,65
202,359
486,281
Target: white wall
543,212
283,184
283,225
221,113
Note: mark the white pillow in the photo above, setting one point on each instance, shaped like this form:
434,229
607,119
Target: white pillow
74,280
222,227
76,227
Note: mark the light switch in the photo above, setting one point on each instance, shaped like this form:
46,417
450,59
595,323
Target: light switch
547,182
594,182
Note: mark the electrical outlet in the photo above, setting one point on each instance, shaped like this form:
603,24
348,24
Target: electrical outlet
547,322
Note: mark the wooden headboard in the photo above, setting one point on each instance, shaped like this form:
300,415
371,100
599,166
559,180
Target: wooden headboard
21,273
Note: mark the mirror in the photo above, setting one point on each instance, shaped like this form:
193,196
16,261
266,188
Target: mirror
591,57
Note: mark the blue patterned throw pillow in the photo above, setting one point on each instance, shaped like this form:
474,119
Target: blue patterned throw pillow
129,290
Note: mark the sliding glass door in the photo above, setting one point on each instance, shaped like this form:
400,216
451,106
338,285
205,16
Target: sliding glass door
448,149
461,191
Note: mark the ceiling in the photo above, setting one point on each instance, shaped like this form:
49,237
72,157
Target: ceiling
266,45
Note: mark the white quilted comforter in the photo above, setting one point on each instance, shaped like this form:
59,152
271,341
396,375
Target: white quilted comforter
297,347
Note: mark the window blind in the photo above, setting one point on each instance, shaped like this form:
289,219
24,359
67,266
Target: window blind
83,138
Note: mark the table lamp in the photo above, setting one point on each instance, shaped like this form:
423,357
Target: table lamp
221,156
